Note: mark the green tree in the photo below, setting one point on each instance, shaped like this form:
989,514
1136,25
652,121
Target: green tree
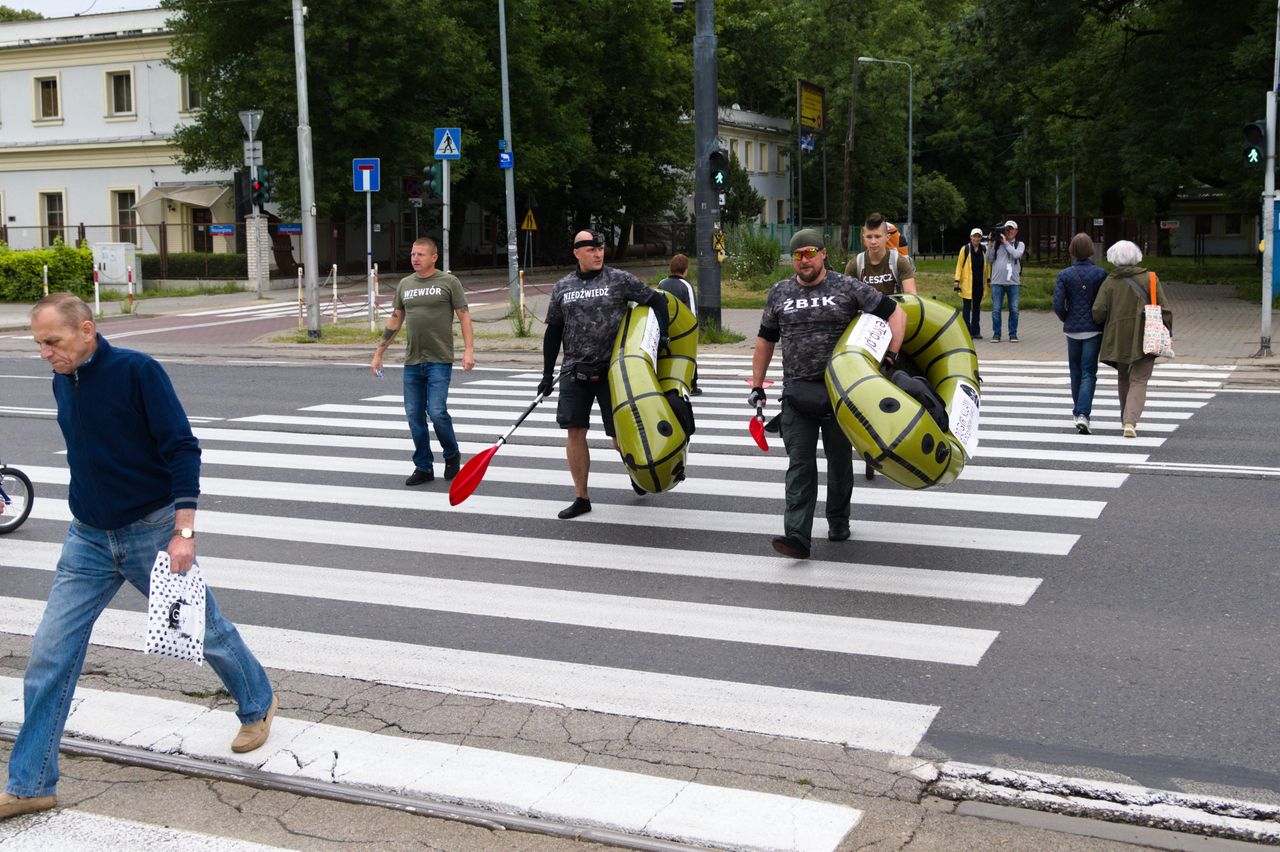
8,13
741,201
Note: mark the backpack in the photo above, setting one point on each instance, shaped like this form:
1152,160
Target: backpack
861,262
895,240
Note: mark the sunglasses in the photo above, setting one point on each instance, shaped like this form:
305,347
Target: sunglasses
806,253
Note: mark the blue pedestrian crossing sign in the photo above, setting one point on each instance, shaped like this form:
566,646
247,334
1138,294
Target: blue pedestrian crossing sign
448,144
365,175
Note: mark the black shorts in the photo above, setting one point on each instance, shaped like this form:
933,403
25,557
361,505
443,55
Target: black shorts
573,411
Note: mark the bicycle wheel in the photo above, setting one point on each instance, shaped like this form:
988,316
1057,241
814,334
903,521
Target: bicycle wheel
17,494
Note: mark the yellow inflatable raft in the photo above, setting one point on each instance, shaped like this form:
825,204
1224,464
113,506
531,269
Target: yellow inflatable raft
891,428
652,417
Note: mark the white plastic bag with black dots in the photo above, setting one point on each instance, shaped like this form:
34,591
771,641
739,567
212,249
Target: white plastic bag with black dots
175,612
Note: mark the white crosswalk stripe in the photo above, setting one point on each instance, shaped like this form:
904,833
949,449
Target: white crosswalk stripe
923,582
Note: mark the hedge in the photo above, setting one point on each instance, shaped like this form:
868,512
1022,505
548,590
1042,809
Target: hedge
195,264
21,272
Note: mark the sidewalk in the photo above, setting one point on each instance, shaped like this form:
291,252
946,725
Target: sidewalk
1211,326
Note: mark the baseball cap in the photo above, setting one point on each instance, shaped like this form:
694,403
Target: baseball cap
1011,224
807,237
977,231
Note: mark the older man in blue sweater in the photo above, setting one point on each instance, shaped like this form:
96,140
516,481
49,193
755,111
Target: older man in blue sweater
135,478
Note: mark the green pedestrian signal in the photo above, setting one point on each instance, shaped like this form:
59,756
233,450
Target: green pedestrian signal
719,169
1255,137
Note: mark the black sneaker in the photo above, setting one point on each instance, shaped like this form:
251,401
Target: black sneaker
871,471
995,338
975,336
1013,338
789,546
579,506
837,531
418,477
695,391
451,466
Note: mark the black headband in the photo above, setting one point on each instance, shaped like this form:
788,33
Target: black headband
594,240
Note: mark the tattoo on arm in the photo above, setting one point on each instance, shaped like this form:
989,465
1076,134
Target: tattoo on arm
388,334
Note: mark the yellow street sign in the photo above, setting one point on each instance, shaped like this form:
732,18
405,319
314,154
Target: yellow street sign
717,240
529,224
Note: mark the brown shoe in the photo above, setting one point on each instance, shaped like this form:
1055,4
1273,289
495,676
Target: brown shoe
253,734
12,806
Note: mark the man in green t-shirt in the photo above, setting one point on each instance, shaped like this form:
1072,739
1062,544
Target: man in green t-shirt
428,299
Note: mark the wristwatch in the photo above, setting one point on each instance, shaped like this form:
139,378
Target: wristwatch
185,532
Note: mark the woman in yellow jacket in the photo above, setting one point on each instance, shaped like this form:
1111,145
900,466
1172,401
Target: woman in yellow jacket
972,274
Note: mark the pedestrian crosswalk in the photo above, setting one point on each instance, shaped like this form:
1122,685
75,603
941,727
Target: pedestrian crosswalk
618,611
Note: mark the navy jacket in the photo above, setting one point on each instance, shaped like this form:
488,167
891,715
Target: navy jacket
1073,295
129,444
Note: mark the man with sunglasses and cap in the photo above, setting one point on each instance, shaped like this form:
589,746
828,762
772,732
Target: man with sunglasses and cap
807,313
583,316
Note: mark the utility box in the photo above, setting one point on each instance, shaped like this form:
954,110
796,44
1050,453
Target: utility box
112,262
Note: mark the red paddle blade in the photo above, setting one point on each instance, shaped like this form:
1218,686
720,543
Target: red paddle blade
468,478
757,432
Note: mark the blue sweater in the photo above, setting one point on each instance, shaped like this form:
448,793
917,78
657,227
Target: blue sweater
129,444
1073,295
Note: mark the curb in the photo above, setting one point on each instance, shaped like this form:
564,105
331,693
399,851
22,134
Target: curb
1210,816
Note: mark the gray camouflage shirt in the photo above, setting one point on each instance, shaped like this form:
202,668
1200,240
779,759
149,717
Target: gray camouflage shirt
811,319
591,309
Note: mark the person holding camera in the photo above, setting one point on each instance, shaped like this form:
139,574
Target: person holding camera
1006,276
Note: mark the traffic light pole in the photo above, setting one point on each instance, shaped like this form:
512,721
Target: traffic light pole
706,200
1269,215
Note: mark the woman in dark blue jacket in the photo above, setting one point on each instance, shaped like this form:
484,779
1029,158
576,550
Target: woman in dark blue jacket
1073,297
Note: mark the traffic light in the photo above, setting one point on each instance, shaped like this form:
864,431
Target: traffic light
260,186
1255,138
435,178
719,169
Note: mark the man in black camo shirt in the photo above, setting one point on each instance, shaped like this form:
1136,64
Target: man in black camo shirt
808,312
585,311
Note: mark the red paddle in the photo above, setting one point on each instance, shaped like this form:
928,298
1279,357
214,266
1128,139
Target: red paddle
468,478
757,423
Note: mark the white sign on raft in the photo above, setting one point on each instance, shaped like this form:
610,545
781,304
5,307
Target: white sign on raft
963,415
649,342
872,334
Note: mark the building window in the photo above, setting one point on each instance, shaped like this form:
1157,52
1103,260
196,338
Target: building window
746,155
124,216
53,215
192,98
48,104
119,93
764,212
1231,225
1204,225
762,165
733,150
782,212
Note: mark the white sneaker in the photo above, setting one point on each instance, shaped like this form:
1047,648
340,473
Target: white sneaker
1082,425
1130,431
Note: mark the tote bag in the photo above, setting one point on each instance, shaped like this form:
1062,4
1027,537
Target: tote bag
1156,338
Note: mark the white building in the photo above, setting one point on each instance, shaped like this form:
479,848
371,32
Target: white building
762,145
87,114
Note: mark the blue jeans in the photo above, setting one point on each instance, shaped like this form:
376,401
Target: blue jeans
426,393
93,566
998,294
1082,357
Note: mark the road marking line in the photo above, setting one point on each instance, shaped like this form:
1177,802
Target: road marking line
623,801
519,547
858,722
870,637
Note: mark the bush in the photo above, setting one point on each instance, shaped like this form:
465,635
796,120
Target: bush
751,252
195,264
22,272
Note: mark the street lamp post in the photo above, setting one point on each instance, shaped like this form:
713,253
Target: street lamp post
910,105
